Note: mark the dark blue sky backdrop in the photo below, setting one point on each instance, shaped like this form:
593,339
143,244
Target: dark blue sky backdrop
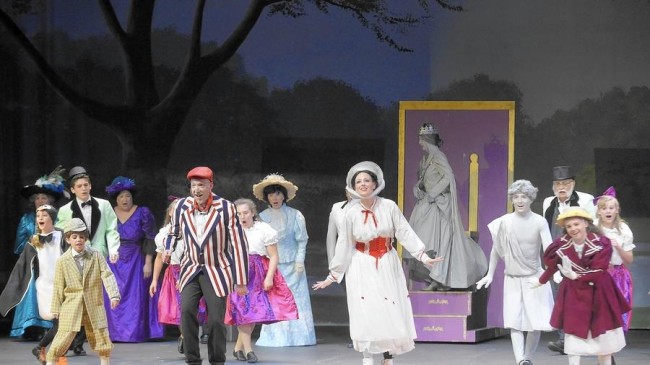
286,50
558,52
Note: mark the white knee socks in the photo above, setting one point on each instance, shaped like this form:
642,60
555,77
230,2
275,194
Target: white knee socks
605,359
532,340
517,338
367,358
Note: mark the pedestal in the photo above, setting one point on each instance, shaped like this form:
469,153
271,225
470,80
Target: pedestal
452,316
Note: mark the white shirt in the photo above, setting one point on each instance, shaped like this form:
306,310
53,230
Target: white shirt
87,212
176,255
624,238
260,235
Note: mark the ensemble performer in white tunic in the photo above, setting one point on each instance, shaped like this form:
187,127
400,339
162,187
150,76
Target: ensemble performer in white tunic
381,318
517,238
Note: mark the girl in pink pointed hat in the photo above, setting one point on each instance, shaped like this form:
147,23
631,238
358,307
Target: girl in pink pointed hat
611,225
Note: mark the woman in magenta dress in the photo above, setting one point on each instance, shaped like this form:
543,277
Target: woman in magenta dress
269,299
136,319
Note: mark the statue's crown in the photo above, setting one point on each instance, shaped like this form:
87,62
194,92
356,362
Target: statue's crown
428,128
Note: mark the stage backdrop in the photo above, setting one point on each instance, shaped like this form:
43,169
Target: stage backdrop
480,132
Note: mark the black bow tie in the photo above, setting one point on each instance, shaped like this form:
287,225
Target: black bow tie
45,239
81,255
88,203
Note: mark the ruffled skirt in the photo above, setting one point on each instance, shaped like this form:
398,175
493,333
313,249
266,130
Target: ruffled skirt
623,281
259,305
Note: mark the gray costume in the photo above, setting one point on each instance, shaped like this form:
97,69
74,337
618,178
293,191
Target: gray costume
436,220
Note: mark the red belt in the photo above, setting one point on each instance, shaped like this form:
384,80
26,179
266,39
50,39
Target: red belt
375,248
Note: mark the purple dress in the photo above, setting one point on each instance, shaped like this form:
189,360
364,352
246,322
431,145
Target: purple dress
136,318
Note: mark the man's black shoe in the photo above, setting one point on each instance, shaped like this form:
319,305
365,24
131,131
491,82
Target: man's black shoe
557,346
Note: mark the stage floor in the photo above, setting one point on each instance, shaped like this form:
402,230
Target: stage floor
332,349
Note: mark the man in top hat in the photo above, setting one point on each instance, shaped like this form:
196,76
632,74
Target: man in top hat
564,196
100,219
215,261
97,214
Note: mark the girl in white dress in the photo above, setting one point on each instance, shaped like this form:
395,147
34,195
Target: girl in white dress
611,225
381,318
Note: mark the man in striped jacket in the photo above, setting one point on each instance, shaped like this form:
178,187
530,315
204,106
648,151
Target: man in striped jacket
215,260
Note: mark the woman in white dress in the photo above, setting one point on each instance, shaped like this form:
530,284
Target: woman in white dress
381,318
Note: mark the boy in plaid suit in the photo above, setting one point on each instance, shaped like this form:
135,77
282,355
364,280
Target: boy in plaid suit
78,299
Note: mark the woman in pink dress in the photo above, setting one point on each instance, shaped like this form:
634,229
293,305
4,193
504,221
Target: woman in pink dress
269,299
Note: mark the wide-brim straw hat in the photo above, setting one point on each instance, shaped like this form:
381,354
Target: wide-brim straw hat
365,166
573,212
274,179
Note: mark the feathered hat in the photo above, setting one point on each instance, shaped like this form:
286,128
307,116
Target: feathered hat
119,184
51,184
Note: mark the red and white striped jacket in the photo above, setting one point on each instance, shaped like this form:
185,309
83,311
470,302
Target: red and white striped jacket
221,252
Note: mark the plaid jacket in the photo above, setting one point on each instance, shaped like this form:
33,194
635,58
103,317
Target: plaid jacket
72,291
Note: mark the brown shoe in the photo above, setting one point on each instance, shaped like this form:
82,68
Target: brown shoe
39,352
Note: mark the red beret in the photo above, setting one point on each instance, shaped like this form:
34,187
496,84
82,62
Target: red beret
200,172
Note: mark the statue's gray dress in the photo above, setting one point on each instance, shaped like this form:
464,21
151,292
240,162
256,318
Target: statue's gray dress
436,220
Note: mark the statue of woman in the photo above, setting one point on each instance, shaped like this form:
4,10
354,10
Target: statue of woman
436,220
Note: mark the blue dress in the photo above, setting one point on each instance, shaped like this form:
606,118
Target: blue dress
292,247
26,314
136,318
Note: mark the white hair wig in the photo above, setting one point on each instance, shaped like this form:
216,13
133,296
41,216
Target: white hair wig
522,187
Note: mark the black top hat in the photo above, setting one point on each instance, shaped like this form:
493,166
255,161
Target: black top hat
562,173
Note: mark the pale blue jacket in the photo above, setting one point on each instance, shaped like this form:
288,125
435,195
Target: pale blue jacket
292,239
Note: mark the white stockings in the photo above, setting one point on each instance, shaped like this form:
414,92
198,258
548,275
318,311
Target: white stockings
602,359
524,346
574,359
367,358
605,359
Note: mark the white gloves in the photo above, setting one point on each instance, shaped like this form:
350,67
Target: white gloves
486,281
566,268
557,277
300,267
